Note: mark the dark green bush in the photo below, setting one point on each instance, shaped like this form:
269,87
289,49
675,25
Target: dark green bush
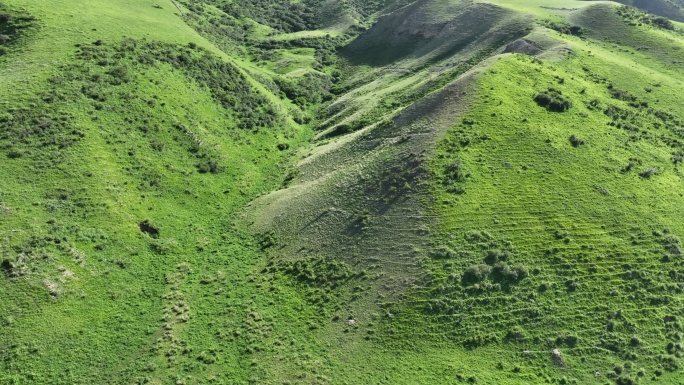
647,173
209,166
621,95
565,28
575,141
454,173
496,255
662,22
476,273
502,272
553,100
626,380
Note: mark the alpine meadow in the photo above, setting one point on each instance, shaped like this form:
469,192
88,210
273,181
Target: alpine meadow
273,192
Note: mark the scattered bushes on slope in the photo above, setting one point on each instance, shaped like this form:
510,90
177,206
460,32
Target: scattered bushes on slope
312,88
635,16
106,74
282,15
12,25
233,34
293,16
320,277
227,84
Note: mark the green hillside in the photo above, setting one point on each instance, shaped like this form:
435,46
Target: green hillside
327,192
672,9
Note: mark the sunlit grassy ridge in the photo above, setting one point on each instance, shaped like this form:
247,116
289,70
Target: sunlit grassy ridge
216,192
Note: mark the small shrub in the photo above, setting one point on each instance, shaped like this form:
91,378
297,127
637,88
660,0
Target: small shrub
517,335
626,380
443,252
494,256
456,190
662,22
209,166
575,141
632,163
157,145
503,272
454,173
543,287
553,100
622,95
565,28
147,228
119,75
476,273
571,341
670,363
14,154
647,173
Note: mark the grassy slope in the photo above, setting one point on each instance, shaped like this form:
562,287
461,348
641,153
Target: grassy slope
590,233
528,184
97,306
361,231
672,9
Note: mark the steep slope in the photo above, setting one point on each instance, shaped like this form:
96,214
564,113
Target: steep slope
360,198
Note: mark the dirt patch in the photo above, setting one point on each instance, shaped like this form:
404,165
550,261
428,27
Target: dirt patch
68,274
524,46
52,288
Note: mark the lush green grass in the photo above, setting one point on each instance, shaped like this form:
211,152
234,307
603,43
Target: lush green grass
443,225
570,214
89,297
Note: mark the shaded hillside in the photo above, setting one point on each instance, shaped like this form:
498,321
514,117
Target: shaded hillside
671,9
430,31
294,16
